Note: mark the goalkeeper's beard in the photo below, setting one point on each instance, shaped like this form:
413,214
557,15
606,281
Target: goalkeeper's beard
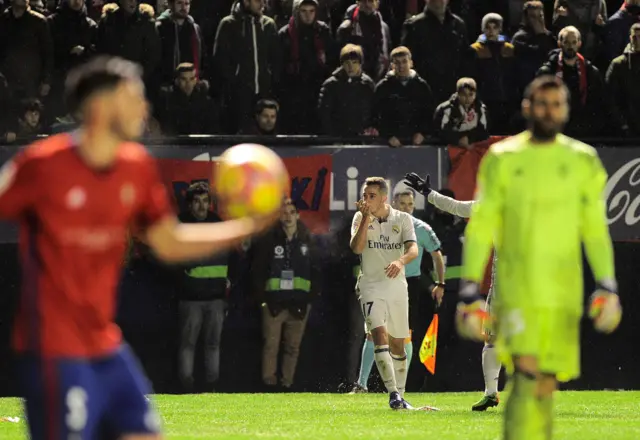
542,133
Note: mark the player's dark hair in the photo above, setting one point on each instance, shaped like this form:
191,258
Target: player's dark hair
406,192
100,74
265,104
543,83
379,182
196,189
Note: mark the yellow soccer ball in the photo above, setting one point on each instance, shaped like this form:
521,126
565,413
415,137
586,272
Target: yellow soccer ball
250,180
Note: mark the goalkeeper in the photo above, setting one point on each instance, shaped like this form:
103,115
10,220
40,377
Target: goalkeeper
490,363
540,196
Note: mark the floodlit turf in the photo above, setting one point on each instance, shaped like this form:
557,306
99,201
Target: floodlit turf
579,416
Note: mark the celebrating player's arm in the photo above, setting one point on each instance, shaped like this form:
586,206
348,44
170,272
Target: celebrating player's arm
359,225
442,202
605,307
410,249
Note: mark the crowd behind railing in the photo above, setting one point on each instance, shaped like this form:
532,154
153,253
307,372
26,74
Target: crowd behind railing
405,71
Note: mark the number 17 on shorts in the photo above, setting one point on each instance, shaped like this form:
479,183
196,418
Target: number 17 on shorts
391,314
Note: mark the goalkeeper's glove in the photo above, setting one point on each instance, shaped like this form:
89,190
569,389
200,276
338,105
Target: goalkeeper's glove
605,309
470,312
423,186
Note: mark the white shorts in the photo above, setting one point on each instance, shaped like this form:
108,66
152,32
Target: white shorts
387,308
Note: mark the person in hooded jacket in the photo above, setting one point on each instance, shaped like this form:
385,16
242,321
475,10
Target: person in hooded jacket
346,97
624,87
617,28
590,104
286,277
363,25
247,59
403,103
308,54
495,74
74,35
181,40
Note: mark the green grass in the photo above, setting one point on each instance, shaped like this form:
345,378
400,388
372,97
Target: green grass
579,416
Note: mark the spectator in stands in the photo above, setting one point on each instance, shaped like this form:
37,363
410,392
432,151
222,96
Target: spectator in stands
286,277
462,120
203,287
308,57
623,81
28,122
395,13
532,44
186,107
495,73
403,102
265,119
363,26
617,27
346,98
128,30
589,108
588,16
282,11
74,36
181,40
438,42
26,51
246,54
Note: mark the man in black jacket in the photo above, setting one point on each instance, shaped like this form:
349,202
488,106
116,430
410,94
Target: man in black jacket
590,105
286,277
403,102
203,289
440,47
346,98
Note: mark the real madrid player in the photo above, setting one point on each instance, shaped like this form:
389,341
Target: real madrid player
386,241
490,364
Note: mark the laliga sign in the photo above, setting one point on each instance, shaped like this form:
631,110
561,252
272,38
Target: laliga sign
623,202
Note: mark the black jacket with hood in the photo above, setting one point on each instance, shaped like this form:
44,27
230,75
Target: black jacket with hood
624,88
180,44
344,105
403,107
450,122
246,52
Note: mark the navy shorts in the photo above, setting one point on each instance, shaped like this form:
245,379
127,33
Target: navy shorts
86,399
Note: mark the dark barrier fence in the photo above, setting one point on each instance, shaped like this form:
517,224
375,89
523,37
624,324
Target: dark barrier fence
148,316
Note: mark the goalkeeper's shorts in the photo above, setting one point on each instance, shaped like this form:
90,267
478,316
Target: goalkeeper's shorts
550,335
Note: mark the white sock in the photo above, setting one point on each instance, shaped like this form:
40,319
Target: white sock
491,369
385,367
400,369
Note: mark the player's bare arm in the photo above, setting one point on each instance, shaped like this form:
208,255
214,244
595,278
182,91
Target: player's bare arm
173,241
438,263
359,239
410,253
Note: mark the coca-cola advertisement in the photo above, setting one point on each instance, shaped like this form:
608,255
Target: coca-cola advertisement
623,192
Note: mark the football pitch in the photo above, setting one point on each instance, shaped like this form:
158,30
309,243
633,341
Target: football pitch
579,415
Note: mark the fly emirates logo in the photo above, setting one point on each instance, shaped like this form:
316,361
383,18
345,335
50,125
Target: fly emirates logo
383,243
622,194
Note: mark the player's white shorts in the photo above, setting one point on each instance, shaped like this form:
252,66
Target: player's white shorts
385,304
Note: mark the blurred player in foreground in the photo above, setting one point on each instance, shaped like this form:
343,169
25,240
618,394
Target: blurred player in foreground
540,196
76,196
490,364
427,241
386,242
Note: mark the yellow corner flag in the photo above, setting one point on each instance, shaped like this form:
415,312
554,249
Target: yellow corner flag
429,345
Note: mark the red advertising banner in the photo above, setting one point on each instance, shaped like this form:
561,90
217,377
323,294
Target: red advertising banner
310,180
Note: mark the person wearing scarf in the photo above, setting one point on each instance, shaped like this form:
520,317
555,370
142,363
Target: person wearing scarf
365,27
308,54
181,39
590,105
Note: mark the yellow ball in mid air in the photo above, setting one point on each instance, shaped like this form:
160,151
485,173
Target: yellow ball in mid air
250,180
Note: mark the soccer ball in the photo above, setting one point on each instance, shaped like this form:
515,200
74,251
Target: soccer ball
250,180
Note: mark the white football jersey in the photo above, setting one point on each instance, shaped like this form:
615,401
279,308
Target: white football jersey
385,244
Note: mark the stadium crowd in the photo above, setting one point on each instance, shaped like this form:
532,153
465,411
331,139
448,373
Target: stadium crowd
454,70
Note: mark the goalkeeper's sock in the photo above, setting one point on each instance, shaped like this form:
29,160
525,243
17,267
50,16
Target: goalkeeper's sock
490,369
522,419
366,363
545,408
385,367
408,348
400,371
